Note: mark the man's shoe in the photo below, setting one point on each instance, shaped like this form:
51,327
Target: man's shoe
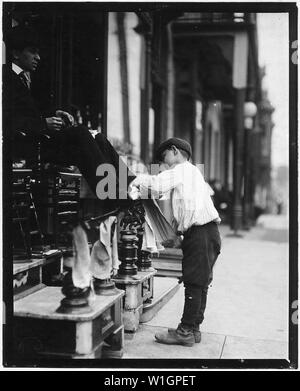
176,337
197,334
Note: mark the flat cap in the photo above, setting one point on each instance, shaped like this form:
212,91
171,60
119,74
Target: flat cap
177,142
20,37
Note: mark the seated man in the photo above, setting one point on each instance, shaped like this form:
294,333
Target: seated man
61,142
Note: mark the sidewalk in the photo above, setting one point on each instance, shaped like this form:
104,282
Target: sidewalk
247,310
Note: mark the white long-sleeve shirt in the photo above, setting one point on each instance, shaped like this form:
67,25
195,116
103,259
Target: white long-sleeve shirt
190,194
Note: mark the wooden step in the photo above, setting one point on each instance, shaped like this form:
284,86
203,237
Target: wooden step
170,253
33,274
168,263
40,331
164,289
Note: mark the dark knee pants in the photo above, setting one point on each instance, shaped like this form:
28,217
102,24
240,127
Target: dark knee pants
76,146
201,246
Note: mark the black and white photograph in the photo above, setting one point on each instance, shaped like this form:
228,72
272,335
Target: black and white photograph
149,187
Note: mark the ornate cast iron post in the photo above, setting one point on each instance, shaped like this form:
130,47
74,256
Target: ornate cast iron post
104,287
76,299
145,262
131,239
128,253
138,287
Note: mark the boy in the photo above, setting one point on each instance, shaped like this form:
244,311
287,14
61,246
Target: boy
196,218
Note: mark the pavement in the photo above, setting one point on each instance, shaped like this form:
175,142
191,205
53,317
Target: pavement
247,310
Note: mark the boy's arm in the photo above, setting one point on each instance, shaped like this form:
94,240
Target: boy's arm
161,183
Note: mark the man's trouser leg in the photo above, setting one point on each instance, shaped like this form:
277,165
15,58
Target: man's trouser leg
76,146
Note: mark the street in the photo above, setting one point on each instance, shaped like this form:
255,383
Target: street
247,310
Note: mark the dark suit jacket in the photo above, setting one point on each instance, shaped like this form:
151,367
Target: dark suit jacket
20,112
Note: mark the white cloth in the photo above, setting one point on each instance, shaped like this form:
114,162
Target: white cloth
162,229
81,269
190,195
150,243
104,256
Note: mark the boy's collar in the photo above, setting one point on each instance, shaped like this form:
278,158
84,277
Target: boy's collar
177,164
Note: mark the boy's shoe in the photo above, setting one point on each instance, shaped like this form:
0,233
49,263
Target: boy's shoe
180,336
197,334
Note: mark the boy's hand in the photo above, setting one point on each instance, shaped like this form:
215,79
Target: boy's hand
134,189
134,192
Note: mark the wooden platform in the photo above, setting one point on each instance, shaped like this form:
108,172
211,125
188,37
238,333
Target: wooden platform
41,331
164,289
23,265
32,275
138,290
168,263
